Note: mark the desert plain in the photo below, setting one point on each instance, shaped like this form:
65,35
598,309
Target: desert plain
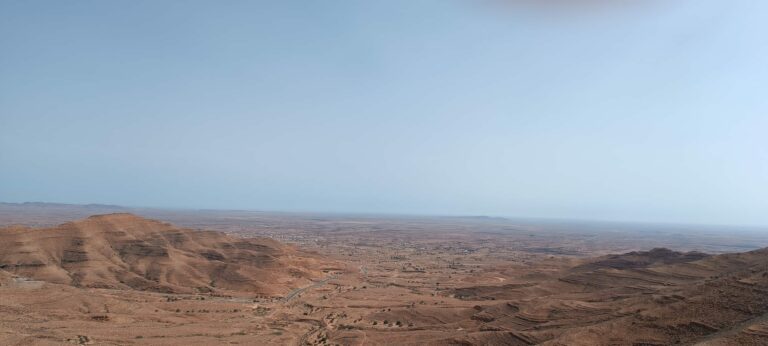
108,275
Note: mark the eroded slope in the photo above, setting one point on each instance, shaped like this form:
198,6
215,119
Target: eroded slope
128,252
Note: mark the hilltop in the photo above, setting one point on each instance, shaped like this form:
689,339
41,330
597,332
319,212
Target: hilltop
124,251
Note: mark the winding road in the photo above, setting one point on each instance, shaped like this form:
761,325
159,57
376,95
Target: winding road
298,291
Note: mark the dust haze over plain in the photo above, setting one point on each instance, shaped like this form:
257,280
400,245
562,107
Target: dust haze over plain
635,112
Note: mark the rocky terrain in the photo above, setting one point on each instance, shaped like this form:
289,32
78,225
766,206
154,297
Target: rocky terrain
124,251
119,279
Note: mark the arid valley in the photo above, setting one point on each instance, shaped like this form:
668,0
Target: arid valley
364,173
240,277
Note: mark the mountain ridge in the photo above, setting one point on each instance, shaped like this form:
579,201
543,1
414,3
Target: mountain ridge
125,251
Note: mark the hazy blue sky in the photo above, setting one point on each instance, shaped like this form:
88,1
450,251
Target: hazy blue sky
655,112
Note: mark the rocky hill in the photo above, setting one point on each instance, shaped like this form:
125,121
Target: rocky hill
124,251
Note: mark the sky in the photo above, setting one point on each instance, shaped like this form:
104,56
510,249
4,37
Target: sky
649,111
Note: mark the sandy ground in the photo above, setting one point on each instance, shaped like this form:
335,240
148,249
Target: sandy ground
416,282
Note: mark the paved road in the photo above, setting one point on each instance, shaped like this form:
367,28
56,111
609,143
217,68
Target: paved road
298,291
295,293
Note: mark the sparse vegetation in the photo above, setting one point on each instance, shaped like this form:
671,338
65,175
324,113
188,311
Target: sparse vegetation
492,295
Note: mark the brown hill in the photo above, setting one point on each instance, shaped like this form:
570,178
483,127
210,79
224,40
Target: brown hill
659,297
124,251
717,299
640,259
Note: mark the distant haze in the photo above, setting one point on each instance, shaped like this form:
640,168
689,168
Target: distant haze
653,112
